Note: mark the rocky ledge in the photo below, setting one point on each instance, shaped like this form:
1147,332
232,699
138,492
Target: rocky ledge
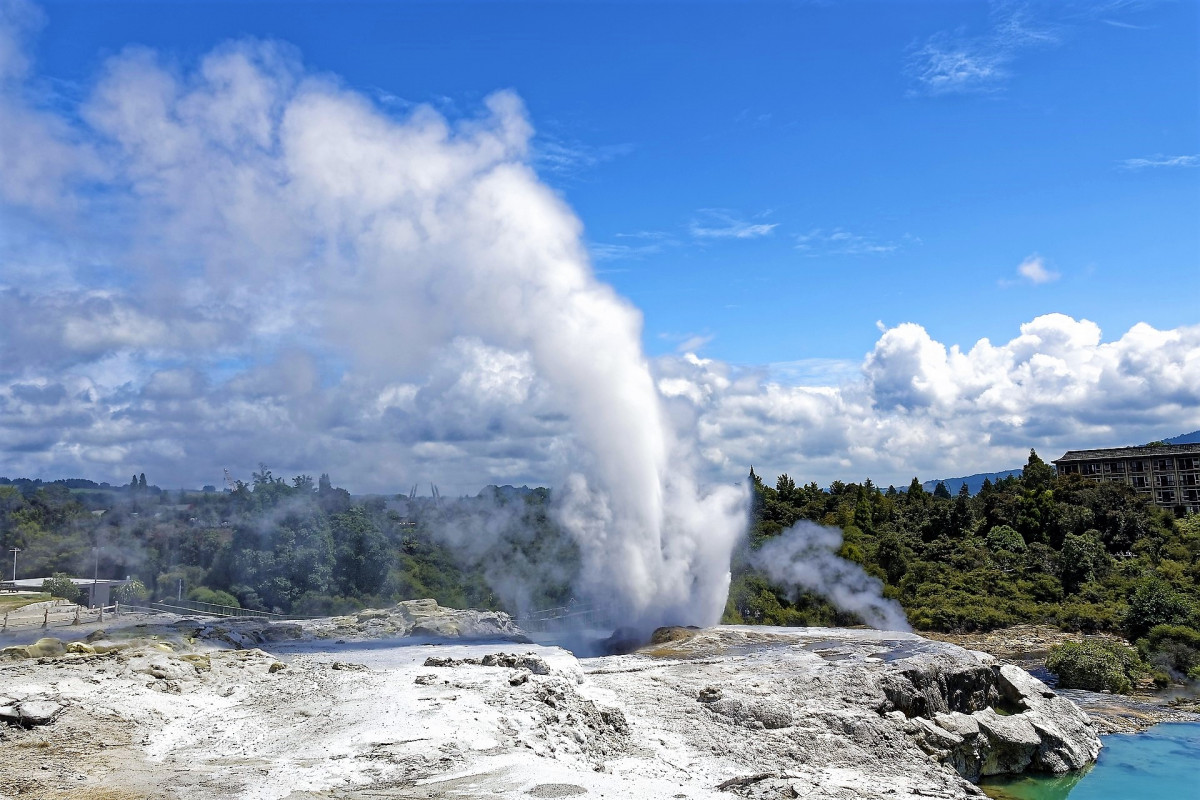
178,712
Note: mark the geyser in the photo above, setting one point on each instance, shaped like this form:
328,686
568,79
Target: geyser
262,208
398,239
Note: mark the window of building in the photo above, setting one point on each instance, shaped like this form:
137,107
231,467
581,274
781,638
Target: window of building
1092,468
1191,496
1117,468
1164,464
1166,496
1189,479
1164,480
1137,466
1139,481
1189,463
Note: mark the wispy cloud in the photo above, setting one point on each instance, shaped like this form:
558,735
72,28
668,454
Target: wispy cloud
638,245
606,251
955,62
841,242
718,223
1116,23
1161,161
687,342
1034,270
570,157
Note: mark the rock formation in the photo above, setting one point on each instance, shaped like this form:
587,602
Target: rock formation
232,709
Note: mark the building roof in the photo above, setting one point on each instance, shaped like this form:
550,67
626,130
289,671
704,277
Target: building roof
1146,451
36,583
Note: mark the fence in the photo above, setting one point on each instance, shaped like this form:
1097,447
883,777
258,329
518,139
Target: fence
572,617
59,615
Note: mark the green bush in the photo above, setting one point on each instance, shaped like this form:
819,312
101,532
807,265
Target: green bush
133,592
203,594
1156,602
60,585
1002,537
1176,647
1095,665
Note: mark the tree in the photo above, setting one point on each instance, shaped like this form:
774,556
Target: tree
941,492
1083,558
142,482
60,585
1037,475
1155,602
132,592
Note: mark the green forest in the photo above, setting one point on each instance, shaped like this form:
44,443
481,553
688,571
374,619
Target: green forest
1035,548
1078,554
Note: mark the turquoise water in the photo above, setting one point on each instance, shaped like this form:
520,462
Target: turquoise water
1162,763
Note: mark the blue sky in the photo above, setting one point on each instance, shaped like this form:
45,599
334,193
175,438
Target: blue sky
660,120
820,201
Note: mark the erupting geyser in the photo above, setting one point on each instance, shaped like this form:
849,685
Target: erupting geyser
367,251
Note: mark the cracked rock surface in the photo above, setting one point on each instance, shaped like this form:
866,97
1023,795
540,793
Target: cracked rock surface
180,712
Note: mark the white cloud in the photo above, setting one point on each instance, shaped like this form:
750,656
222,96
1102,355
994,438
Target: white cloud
955,62
841,242
571,157
920,407
1034,270
1161,161
716,223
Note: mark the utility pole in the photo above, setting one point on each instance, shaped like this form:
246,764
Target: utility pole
15,550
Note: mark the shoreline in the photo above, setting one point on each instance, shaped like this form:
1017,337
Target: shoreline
1027,646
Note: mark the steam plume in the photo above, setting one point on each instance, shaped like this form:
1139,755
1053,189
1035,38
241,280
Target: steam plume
805,557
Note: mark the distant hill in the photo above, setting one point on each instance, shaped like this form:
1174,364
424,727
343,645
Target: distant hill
1187,438
974,482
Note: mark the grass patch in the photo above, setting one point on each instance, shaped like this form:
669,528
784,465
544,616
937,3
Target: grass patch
11,602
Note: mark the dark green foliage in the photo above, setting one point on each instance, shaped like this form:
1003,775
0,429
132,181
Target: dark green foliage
294,546
1083,559
1004,539
60,585
1083,555
1155,602
1173,647
1096,665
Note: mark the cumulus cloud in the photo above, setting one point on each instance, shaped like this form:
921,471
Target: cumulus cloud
920,407
1034,270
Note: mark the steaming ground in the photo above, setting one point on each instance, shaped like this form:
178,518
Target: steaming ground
364,707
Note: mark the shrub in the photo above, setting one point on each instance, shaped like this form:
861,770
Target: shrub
1176,647
1155,602
1095,665
1002,537
203,594
60,585
133,592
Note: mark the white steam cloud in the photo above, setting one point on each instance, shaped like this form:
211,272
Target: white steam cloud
264,201
805,557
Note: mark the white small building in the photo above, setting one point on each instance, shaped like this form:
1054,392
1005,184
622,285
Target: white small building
96,593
